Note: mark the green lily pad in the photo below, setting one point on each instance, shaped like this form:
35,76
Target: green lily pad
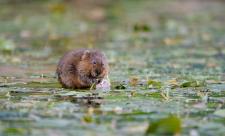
154,84
6,45
87,119
194,83
120,86
141,28
166,126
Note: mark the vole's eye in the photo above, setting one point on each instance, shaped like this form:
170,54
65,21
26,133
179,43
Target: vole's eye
94,62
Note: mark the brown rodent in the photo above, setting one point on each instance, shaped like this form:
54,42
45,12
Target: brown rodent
82,68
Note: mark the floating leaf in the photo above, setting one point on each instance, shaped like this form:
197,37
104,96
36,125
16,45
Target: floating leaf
194,83
154,84
220,112
6,45
173,83
87,118
14,131
57,8
166,126
141,28
120,86
38,85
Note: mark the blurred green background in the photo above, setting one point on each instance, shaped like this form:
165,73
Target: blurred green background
166,58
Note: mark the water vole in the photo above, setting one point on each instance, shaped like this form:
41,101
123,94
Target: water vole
82,68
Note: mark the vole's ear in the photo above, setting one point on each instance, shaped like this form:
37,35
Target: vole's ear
85,54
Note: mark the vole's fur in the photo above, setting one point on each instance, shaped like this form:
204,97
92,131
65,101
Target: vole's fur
82,68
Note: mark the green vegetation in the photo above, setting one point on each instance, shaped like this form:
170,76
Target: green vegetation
166,67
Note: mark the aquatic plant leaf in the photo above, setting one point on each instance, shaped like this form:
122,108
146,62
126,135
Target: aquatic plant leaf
141,28
87,118
6,45
120,86
193,83
167,126
154,84
14,131
57,8
220,113
39,84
